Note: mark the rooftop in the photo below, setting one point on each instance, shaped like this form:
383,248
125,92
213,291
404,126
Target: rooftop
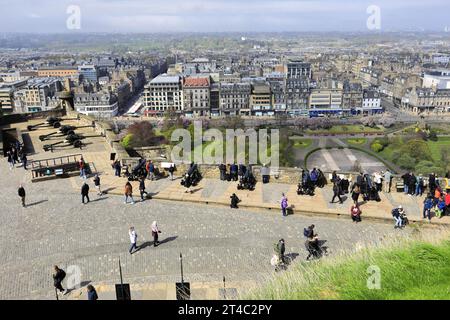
164,78
196,82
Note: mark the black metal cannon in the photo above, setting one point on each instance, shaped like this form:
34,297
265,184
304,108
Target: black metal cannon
47,136
192,177
71,140
51,121
138,171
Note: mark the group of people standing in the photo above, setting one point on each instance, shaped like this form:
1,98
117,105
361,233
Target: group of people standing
16,154
232,172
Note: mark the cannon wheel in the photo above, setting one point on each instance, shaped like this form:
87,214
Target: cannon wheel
77,143
56,125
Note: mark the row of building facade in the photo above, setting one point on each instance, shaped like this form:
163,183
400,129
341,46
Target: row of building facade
293,92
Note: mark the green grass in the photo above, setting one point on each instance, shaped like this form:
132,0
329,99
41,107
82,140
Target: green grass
437,146
434,146
301,143
408,270
357,141
347,129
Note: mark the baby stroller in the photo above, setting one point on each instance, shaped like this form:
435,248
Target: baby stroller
247,182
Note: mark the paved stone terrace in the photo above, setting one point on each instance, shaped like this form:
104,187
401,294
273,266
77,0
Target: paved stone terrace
215,241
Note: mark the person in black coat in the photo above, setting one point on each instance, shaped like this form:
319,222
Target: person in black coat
241,171
58,277
223,171
234,201
85,192
171,171
336,191
142,188
24,160
432,183
234,172
21,193
406,182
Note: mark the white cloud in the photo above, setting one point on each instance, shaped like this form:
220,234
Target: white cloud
220,15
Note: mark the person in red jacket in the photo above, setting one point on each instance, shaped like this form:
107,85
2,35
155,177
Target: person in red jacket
355,212
447,204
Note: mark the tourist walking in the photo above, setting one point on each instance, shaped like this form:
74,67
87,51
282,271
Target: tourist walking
356,191
58,277
142,188
24,160
85,193
128,193
284,205
155,232
97,184
10,160
133,239
387,178
336,191
151,170
82,167
171,171
21,193
91,293
117,168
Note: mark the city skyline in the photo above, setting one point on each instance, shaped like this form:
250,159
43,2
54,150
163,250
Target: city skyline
135,16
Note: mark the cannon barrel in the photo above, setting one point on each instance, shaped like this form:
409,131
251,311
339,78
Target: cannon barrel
45,136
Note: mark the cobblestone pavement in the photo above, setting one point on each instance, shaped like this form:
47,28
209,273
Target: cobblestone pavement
215,241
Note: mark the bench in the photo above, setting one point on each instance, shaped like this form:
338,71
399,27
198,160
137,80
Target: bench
400,187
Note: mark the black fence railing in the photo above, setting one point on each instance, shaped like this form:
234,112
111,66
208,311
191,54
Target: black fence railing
54,166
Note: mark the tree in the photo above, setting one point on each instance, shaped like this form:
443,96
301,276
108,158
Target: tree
406,162
142,134
377,147
417,149
427,167
127,141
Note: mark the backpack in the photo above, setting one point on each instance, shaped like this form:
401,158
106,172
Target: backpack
306,232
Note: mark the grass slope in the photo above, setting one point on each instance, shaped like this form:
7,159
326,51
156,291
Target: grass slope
411,270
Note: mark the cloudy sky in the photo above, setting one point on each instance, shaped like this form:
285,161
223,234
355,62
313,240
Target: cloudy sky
221,15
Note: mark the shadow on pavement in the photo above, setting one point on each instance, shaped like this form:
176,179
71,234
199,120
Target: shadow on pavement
36,203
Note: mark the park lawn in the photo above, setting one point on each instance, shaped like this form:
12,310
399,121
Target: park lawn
437,146
357,141
343,129
301,143
387,152
407,269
